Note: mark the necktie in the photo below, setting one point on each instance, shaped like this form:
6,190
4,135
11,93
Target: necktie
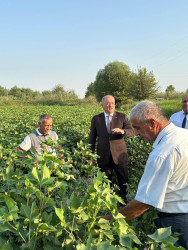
184,121
108,125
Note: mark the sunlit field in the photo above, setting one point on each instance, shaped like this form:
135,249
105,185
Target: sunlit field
47,204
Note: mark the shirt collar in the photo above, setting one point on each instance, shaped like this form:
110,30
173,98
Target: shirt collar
162,133
37,130
107,114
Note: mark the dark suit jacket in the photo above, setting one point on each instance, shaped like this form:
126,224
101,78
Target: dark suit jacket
107,143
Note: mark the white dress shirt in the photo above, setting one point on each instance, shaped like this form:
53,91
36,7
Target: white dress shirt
177,119
164,184
106,118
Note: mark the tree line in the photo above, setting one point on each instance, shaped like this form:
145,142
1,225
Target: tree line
58,92
115,78
118,80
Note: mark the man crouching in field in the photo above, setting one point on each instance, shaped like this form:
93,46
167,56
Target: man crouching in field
164,184
40,135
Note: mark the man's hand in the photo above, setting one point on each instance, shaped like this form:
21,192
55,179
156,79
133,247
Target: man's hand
19,149
117,131
132,210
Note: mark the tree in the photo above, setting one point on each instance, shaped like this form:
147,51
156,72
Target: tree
114,79
90,90
3,91
71,94
170,88
15,92
143,85
59,91
47,93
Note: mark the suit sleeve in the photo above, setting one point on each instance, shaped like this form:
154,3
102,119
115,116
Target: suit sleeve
93,135
129,130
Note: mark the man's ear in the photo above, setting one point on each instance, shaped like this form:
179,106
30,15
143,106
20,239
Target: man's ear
152,122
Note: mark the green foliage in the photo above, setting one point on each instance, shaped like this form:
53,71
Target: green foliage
170,88
3,91
53,205
117,79
171,106
114,79
143,85
90,90
17,95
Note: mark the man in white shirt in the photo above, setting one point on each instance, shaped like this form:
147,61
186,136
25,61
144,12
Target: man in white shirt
40,135
164,184
180,118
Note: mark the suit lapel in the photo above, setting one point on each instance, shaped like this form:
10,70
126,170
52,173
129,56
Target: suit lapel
114,120
103,123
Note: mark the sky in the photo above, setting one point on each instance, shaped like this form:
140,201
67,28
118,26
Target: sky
44,43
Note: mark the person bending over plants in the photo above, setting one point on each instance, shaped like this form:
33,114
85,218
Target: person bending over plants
164,184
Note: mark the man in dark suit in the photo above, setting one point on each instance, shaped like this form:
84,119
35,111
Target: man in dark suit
109,129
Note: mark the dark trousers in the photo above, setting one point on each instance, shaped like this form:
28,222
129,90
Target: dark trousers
121,171
179,224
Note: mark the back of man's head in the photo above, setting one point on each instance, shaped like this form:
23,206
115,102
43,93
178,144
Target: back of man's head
146,110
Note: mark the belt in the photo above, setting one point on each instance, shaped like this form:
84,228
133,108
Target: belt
162,214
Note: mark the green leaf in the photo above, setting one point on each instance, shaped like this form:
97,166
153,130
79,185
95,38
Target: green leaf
119,216
84,216
46,227
6,246
109,234
104,224
161,234
46,172
74,202
42,174
125,241
48,181
35,174
47,217
81,246
10,202
60,213
49,201
3,211
13,209
26,211
132,237
9,171
31,213
6,227
106,246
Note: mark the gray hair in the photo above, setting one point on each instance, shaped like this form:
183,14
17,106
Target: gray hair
146,110
104,98
44,116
